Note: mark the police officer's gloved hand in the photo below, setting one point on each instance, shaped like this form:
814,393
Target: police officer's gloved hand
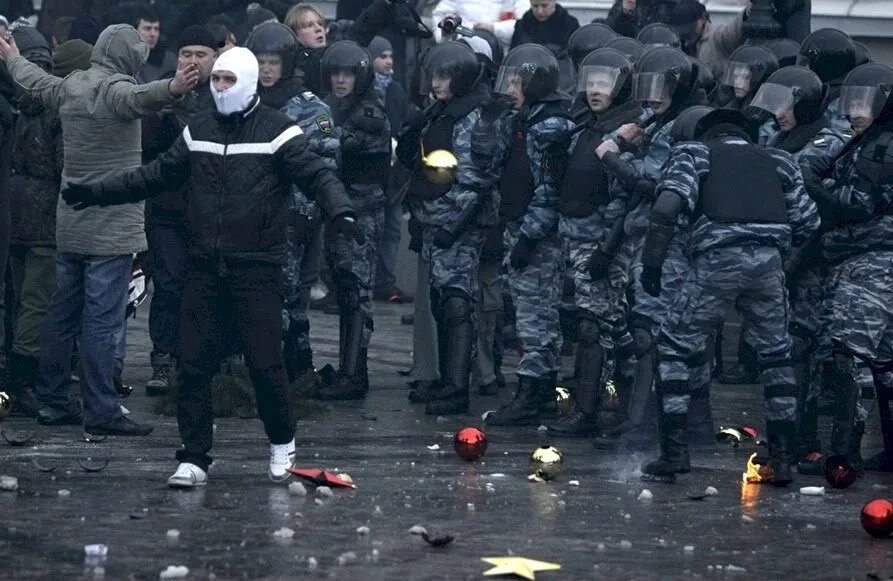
496,105
443,238
520,256
81,196
811,180
650,280
821,165
598,265
346,225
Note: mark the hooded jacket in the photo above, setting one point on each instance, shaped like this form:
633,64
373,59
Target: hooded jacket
239,169
554,33
100,110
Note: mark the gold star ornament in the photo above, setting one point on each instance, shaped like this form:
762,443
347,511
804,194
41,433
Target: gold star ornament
518,566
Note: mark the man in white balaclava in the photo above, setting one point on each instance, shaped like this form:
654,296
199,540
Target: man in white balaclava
240,163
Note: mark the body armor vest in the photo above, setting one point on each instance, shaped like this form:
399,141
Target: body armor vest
438,136
743,186
585,185
874,168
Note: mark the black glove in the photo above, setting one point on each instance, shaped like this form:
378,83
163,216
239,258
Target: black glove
346,225
443,238
821,165
300,229
496,105
598,265
81,196
650,280
520,256
811,180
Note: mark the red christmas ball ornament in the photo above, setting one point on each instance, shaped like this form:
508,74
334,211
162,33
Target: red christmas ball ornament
877,517
838,472
470,443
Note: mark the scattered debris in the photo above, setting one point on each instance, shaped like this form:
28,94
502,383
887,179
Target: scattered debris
174,572
542,429
363,530
812,491
297,489
469,507
89,465
746,519
346,558
173,534
96,550
710,491
324,491
688,549
17,438
312,563
418,530
40,467
63,493
574,483
646,495
9,483
139,514
810,527
433,447
284,533
626,545
735,569
437,540
600,547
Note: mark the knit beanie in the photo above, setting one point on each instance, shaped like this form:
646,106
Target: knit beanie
196,36
378,46
70,56
33,46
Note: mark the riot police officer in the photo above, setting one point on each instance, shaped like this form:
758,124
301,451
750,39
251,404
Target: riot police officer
586,212
280,86
831,54
795,97
855,195
747,69
737,233
530,156
658,34
365,136
454,201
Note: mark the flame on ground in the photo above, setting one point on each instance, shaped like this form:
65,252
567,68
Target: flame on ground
756,473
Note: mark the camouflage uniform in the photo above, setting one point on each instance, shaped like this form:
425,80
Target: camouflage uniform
858,322
535,290
301,267
365,134
837,119
731,259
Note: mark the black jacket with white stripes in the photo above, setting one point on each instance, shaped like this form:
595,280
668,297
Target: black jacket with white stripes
240,169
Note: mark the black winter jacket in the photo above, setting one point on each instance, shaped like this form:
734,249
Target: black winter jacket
240,170
37,154
552,34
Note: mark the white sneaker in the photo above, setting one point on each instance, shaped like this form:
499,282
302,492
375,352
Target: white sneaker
282,457
188,476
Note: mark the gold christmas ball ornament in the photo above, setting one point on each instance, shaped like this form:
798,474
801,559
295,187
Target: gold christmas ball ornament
545,462
563,400
440,167
5,404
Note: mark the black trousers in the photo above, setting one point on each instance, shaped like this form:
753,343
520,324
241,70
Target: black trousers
167,242
219,299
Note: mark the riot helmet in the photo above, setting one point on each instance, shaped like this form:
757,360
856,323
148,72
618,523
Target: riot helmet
747,69
865,92
630,47
346,69
685,123
795,90
454,62
828,52
658,34
863,54
586,39
664,75
604,78
276,48
785,50
706,80
529,71
497,53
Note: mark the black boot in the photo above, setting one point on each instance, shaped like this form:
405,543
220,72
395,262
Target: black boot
809,449
424,391
701,431
22,377
524,409
673,451
297,360
349,383
582,421
781,436
640,432
746,371
452,398
548,395
883,389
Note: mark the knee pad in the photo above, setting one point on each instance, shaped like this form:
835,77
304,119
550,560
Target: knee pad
587,331
347,290
843,365
643,341
456,307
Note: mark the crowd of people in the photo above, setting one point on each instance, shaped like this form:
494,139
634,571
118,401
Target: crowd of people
666,168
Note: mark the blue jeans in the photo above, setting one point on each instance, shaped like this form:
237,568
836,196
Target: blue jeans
88,305
388,247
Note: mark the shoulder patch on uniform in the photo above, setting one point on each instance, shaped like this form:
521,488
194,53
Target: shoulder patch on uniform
308,96
324,122
819,141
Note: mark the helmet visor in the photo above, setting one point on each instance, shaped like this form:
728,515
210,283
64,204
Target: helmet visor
862,101
653,86
775,99
738,76
513,80
598,79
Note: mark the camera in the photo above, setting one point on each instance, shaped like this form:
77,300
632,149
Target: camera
449,24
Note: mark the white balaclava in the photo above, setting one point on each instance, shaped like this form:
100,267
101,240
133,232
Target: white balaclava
241,62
